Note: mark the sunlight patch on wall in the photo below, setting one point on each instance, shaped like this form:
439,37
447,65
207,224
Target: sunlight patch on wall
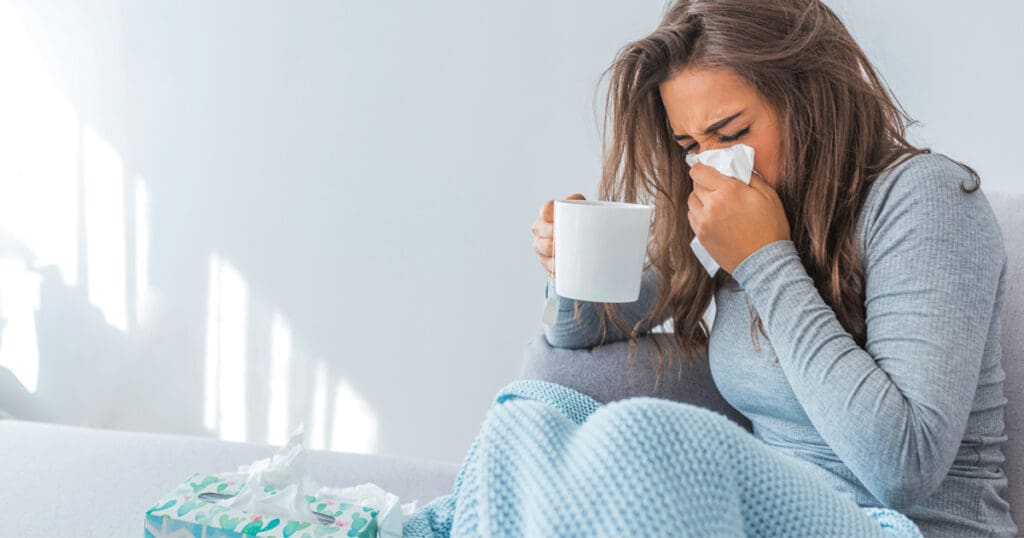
19,300
225,369
142,218
355,427
318,412
280,364
39,162
103,186
39,137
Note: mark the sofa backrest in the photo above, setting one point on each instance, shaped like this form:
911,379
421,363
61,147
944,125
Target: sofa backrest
1009,210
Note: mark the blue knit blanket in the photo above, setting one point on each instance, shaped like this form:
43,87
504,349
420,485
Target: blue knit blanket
550,461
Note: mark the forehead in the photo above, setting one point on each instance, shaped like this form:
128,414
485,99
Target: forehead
696,97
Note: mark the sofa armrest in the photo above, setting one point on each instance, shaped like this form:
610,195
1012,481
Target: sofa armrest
601,373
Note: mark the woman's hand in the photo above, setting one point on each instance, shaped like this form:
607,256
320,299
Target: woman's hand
733,220
544,233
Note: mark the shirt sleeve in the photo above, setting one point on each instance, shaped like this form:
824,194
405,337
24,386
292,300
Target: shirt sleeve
894,411
566,332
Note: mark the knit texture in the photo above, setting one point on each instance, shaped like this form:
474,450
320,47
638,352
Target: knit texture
913,419
550,461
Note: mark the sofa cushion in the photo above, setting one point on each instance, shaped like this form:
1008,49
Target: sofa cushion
73,481
1009,210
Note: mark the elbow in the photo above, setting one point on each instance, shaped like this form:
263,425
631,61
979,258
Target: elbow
560,339
904,489
563,341
925,455
898,498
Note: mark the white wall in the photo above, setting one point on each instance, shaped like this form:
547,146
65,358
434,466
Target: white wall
958,69
364,173
244,215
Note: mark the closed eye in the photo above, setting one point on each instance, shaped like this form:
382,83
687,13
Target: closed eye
733,138
721,138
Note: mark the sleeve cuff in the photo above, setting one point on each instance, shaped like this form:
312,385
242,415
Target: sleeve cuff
564,303
763,262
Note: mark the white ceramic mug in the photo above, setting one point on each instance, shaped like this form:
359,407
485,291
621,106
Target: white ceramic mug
600,248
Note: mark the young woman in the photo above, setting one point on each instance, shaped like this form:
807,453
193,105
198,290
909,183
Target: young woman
857,305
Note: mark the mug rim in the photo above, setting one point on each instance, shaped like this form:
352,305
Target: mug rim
605,203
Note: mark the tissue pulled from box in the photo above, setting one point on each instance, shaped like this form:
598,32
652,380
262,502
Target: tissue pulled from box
736,161
281,486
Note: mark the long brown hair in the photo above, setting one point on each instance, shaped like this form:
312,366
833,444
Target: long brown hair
839,125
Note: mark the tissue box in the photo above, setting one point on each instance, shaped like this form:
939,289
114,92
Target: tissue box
182,514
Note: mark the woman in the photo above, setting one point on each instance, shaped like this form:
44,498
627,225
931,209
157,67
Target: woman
861,278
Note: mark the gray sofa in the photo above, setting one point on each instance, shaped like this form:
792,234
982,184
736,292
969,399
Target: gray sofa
64,481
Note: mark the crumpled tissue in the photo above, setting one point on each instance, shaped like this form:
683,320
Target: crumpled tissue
736,161
285,474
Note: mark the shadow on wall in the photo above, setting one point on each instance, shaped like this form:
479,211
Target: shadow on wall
86,339
58,352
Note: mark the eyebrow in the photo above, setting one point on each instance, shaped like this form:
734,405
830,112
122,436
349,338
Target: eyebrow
711,128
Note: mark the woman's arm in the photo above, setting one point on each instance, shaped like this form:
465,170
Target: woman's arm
896,410
567,333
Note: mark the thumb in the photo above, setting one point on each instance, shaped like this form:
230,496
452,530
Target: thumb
576,196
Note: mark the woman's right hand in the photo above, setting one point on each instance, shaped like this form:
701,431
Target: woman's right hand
544,234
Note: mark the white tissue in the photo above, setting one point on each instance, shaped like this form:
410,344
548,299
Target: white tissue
286,473
736,161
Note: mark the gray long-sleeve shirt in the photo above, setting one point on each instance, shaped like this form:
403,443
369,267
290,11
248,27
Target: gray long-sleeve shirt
914,419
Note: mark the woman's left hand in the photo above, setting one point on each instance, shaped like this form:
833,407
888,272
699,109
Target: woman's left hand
733,220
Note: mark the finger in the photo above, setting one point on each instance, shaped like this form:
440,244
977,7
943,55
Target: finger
700,195
544,247
542,229
547,211
694,202
701,188
708,177
549,265
695,207
762,186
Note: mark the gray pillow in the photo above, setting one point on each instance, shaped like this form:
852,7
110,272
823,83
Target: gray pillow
601,373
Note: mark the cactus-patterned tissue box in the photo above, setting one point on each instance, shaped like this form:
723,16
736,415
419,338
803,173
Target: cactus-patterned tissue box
191,510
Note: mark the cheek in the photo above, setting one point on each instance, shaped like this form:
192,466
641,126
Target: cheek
766,158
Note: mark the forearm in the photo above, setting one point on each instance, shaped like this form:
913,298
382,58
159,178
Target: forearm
567,332
894,416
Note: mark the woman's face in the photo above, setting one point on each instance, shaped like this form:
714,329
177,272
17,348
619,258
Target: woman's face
715,108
